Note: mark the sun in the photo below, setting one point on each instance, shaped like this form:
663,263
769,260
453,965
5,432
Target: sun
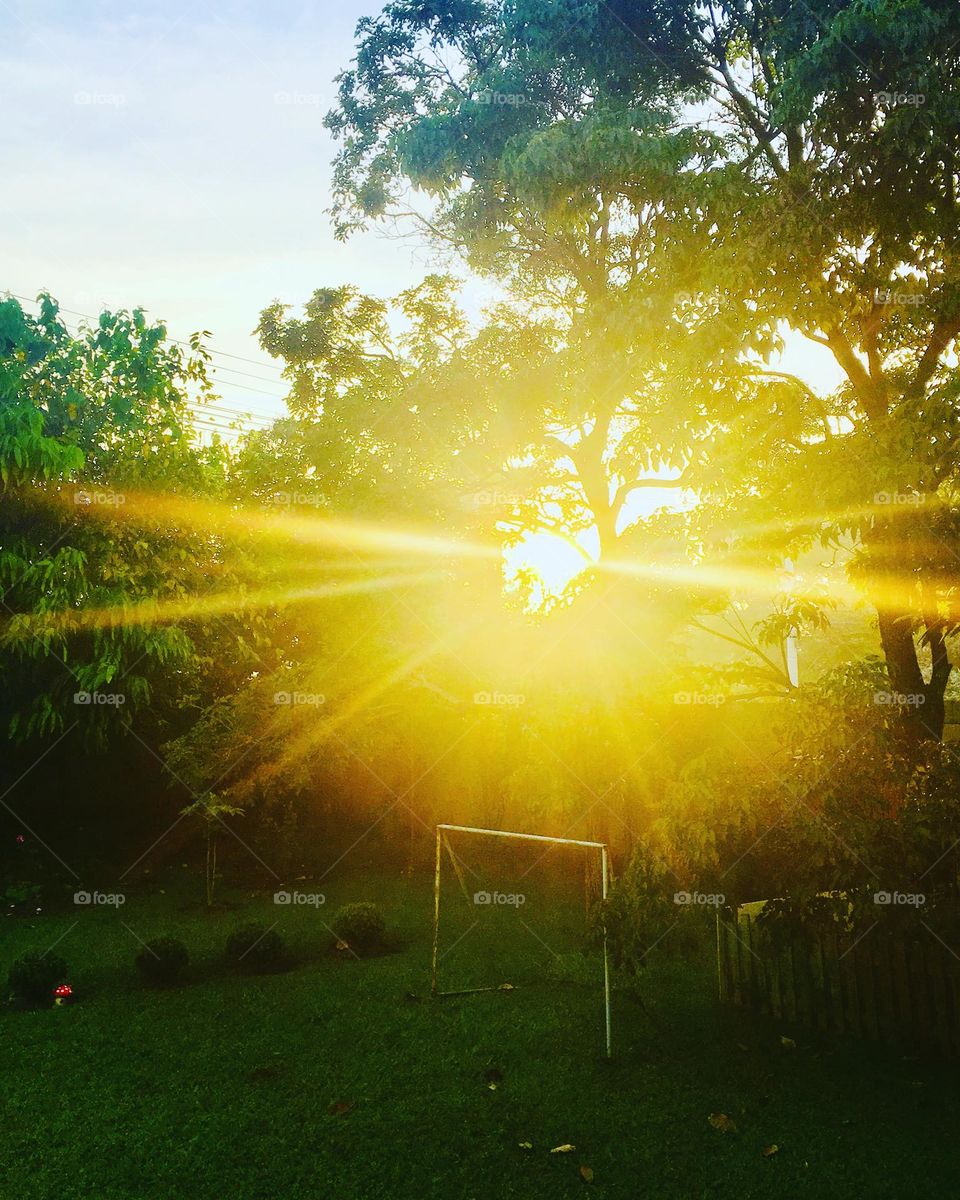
553,559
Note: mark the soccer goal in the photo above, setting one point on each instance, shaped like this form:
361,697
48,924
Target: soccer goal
509,867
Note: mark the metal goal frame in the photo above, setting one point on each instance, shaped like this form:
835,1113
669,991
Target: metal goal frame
524,837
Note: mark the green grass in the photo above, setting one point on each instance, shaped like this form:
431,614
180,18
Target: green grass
223,1088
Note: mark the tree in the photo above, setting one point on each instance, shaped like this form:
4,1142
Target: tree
722,172
97,581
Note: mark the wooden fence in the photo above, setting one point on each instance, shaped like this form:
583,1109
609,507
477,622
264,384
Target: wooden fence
872,984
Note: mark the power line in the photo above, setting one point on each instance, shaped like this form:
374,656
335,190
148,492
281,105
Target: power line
248,416
246,388
263,363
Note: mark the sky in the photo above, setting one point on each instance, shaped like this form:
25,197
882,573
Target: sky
173,156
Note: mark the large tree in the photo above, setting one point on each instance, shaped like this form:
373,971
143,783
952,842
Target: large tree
694,180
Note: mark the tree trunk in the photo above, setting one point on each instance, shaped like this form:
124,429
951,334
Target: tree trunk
920,703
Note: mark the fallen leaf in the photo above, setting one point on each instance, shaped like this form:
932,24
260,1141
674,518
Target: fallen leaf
525,1145
339,1107
505,987
771,1150
722,1122
587,1174
342,945
493,1086
566,1148
788,1043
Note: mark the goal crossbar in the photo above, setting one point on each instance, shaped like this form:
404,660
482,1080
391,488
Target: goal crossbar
525,837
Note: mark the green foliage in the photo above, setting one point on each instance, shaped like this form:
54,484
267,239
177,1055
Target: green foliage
564,156
256,948
362,926
93,424
32,978
163,961
639,915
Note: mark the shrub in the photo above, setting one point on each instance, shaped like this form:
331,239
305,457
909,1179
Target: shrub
33,977
254,948
361,926
163,961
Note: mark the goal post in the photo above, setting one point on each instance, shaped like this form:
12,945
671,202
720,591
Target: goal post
600,847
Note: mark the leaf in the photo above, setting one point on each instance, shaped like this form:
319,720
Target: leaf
722,1122
505,987
566,1148
586,1174
788,1043
525,1145
771,1150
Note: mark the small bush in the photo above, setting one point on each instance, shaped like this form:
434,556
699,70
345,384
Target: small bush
163,961
361,926
33,977
254,948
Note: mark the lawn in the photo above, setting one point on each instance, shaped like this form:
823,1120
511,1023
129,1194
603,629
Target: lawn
342,1078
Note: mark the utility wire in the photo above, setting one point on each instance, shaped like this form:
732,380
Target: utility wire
263,363
250,417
